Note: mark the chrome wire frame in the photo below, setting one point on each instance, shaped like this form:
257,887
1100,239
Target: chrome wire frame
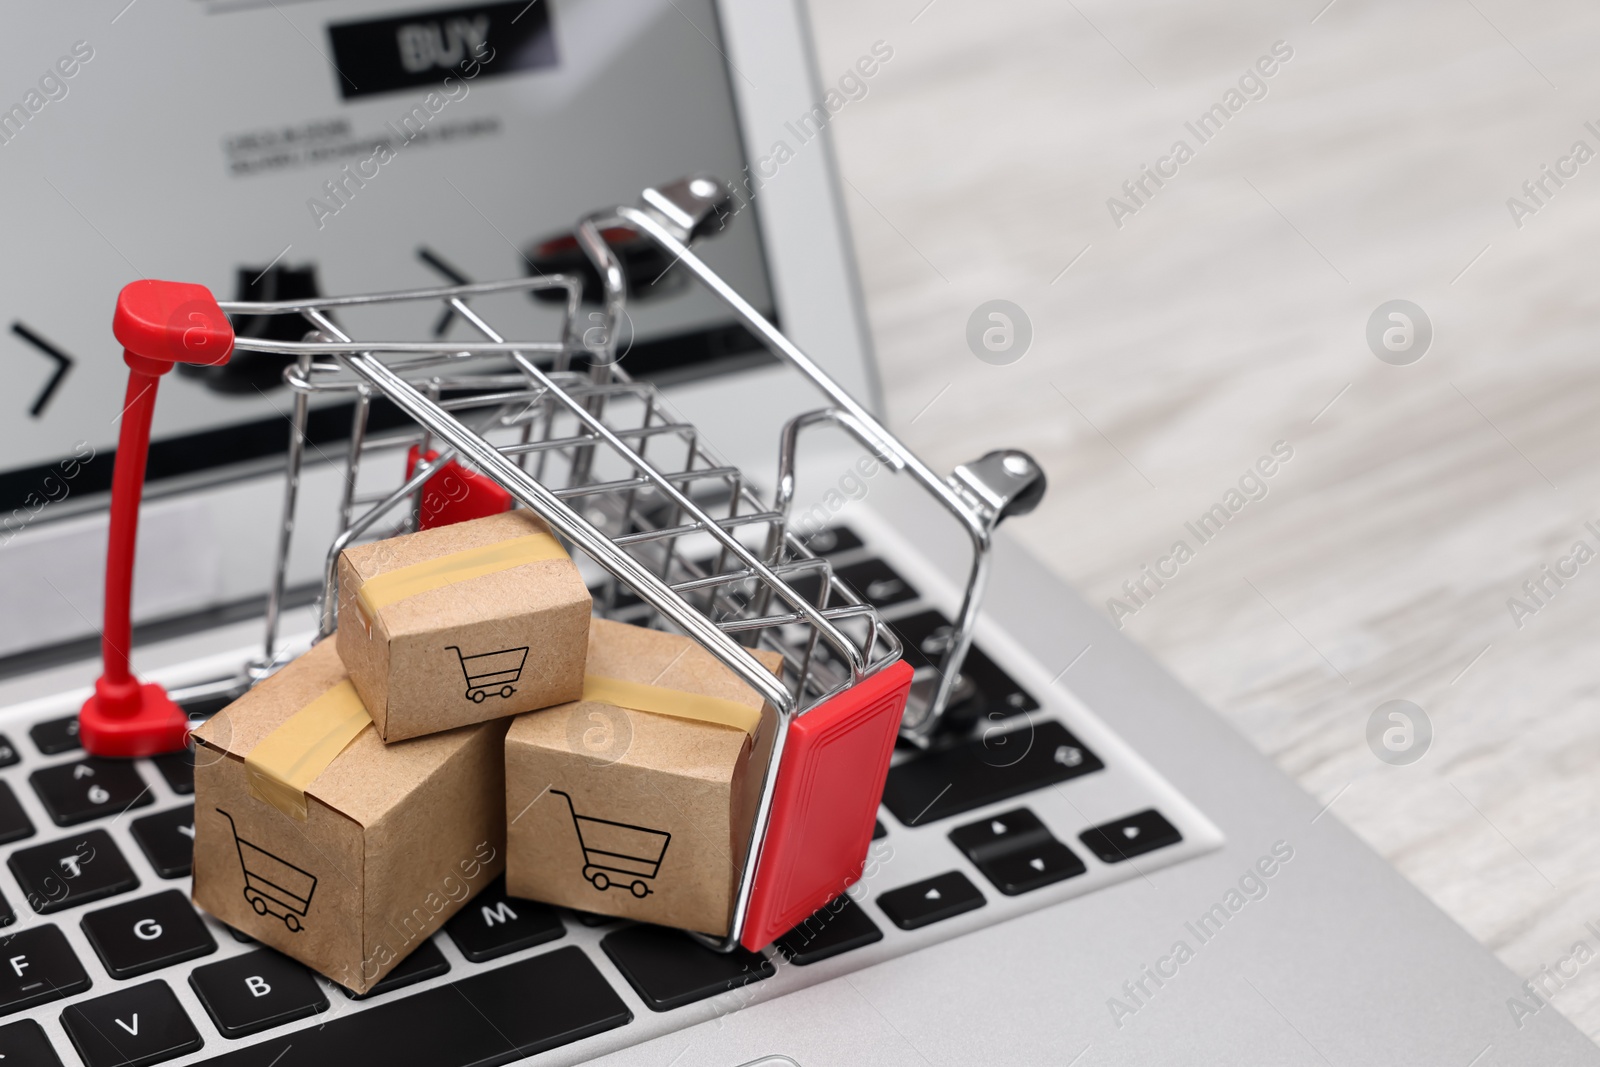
677,539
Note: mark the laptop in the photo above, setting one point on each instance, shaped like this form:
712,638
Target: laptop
1093,870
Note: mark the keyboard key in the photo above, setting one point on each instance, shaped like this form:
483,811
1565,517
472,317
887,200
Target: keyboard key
8,752
71,871
56,736
255,992
878,831
7,916
1130,836
931,900
833,929
168,841
24,1043
239,935
986,770
1017,828
1033,867
493,925
926,637
14,822
77,792
500,1015
131,1027
669,969
178,769
832,540
199,709
139,936
877,583
590,919
37,965
426,962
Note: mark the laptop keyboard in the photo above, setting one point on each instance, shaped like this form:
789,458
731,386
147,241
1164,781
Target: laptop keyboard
105,963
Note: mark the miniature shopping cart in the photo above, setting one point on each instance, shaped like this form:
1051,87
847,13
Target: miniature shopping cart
273,885
667,533
491,673
618,848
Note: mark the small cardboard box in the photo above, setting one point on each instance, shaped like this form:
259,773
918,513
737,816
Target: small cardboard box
462,623
635,813
352,860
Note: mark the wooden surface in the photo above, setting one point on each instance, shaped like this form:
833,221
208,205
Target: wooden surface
1229,313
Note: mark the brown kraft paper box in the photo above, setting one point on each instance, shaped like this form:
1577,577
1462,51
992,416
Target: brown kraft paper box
485,644
395,839
652,807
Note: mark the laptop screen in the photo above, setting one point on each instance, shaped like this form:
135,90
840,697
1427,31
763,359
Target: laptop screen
270,150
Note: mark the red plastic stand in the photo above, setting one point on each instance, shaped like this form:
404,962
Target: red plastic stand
830,781
454,494
158,324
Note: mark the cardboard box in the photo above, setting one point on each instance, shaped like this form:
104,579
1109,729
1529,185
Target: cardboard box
350,861
635,813
463,623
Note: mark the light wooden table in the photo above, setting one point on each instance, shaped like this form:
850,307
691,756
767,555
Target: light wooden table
1229,313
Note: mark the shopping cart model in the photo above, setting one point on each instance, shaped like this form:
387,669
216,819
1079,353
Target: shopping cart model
272,885
618,848
668,534
491,673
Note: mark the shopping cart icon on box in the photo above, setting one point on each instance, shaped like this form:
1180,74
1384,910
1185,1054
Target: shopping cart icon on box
272,885
491,673
613,849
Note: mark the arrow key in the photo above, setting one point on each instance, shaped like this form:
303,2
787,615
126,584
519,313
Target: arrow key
74,793
145,1024
1131,835
1033,867
998,833
929,901
167,839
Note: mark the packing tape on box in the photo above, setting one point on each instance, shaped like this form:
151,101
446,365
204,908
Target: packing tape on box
391,587
638,696
289,759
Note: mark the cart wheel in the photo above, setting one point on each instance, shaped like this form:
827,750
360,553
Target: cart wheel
639,889
600,880
292,922
476,695
259,905
507,691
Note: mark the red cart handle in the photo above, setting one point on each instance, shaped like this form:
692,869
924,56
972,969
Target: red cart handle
158,324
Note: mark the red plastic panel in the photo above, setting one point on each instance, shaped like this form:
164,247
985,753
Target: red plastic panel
829,784
454,494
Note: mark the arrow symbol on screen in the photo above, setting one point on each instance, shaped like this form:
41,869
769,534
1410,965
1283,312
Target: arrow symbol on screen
62,360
